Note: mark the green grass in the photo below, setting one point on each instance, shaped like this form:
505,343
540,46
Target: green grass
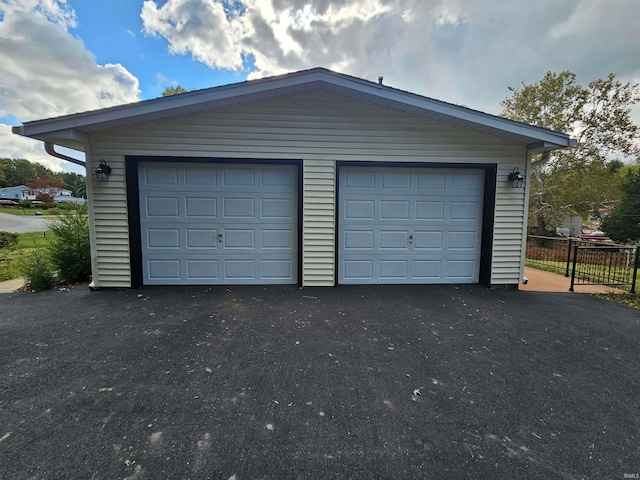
10,257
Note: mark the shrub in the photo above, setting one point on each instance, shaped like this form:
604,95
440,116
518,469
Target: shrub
67,206
37,270
69,248
25,203
8,239
54,211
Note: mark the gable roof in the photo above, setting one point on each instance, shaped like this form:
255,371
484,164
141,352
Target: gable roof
72,130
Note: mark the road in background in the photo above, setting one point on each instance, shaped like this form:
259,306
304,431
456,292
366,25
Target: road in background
23,224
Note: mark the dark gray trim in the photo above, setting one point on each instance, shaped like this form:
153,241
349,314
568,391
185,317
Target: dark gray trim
488,207
133,201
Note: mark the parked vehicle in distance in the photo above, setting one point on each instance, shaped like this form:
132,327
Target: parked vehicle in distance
8,203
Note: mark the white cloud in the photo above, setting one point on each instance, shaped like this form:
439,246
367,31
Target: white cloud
462,51
46,71
199,27
14,146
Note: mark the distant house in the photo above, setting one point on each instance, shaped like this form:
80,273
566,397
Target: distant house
20,192
312,178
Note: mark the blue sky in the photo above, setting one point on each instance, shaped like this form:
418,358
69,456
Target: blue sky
112,30
66,56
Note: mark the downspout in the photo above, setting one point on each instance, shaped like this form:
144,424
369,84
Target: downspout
546,156
48,147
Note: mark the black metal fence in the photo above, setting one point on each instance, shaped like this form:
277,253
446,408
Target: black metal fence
612,265
587,262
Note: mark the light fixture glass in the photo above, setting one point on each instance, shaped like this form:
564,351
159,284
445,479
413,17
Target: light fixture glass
103,171
516,178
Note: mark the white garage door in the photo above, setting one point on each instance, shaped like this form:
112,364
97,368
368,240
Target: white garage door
218,224
409,225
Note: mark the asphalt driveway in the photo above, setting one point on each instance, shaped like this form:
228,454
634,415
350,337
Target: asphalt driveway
281,382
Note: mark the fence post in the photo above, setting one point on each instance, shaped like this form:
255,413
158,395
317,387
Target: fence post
573,271
566,273
636,264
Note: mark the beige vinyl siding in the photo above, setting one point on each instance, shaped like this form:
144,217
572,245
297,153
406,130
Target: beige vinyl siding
110,224
318,232
319,128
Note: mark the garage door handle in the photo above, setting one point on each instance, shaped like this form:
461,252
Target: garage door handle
220,237
411,238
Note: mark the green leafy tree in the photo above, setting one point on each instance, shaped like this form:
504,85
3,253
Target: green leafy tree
576,180
18,171
623,223
76,183
168,91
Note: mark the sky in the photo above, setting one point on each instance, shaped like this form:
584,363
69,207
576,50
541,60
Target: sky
66,56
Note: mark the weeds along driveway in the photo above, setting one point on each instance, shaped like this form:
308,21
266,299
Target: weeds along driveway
354,382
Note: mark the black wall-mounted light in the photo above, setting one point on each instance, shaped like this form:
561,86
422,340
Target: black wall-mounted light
516,178
103,171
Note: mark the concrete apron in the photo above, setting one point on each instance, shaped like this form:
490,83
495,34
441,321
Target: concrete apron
541,281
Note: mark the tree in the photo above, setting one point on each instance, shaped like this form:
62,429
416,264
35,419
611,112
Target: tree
46,186
623,223
18,171
576,180
168,91
76,183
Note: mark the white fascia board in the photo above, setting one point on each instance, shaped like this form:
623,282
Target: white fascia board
272,87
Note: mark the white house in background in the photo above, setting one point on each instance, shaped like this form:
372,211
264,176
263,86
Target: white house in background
312,178
20,192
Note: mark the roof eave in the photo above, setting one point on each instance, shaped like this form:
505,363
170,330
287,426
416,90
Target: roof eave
72,128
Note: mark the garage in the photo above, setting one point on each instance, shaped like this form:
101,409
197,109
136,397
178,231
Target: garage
409,225
218,223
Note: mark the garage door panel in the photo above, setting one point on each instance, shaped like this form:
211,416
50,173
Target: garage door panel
426,240
467,241
238,208
276,239
430,270
393,240
460,210
277,269
358,269
198,176
202,269
358,240
431,182
243,229
160,175
393,269
460,270
163,238
467,182
359,209
394,210
198,238
164,269
201,207
162,206
240,269
433,210
238,177
425,225
272,208
392,180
